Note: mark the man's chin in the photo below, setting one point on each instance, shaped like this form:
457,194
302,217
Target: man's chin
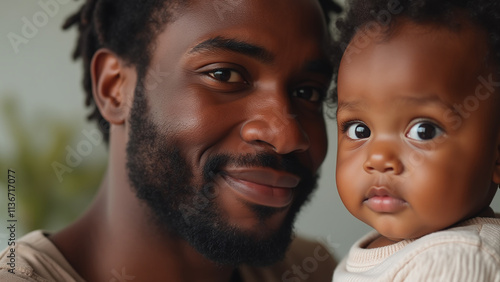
258,240
238,247
263,222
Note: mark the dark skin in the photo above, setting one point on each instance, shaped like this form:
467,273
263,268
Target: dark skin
403,183
251,107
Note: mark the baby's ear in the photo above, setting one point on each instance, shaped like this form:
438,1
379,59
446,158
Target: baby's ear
496,169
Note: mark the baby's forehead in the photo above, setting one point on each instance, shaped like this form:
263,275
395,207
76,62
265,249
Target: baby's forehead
410,44
418,58
462,33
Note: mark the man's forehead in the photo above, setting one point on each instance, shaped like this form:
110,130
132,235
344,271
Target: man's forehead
223,14
250,23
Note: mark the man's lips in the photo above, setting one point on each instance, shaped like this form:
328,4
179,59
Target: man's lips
262,186
382,200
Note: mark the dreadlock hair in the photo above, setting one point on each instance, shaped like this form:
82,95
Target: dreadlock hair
361,13
128,28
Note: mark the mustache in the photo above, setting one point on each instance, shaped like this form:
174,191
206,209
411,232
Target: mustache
289,163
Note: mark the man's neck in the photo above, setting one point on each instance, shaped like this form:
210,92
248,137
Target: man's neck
116,238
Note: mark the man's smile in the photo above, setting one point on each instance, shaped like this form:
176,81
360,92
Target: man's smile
262,186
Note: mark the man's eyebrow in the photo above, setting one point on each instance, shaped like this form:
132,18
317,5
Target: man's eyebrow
322,66
235,45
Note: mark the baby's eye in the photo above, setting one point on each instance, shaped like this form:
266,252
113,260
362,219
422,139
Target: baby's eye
357,130
312,94
423,131
227,75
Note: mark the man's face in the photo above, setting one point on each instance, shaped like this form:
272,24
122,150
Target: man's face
418,129
227,136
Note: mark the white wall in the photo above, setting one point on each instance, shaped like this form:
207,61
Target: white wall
47,81
40,72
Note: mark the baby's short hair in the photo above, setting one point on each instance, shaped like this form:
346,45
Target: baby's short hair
360,13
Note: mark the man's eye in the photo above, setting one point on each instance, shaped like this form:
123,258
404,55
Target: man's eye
227,75
311,94
357,130
423,131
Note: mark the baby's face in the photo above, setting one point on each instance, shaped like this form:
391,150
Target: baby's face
418,135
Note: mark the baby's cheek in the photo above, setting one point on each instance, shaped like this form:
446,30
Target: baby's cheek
348,184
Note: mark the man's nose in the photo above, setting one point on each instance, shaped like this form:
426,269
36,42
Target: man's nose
274,125
383,156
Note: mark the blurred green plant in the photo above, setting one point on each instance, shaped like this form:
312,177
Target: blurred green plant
42,201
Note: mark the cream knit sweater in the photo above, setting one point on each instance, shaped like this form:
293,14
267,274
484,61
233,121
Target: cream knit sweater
469,252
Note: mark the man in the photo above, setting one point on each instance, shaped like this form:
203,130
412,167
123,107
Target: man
213,115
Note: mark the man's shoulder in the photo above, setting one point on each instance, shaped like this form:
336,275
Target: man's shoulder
34,258
305,260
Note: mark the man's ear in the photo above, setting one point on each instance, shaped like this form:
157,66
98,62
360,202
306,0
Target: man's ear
112,86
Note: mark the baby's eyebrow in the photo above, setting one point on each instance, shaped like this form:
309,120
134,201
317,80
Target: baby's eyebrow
420,100
348,105
428,99
423,100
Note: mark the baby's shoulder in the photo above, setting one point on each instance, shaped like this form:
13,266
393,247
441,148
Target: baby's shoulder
482,233
469,252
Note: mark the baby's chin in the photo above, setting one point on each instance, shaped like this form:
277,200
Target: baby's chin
396,235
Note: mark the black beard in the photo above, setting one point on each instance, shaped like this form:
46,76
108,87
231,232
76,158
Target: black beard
163,179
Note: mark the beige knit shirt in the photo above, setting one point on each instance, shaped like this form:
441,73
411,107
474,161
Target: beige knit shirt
38,260
469,252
